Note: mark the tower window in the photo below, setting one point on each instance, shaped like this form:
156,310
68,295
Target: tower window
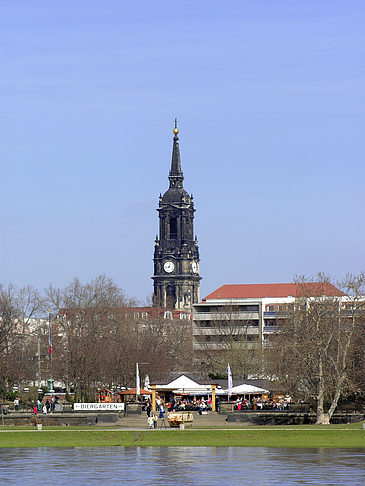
173,228
170,297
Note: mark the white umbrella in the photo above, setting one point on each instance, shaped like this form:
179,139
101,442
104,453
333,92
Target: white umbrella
242,390
247,389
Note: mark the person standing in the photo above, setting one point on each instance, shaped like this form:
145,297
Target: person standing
16,404
148,408
158,402
150,422
162,411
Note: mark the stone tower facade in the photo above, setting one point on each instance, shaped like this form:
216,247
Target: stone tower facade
176,258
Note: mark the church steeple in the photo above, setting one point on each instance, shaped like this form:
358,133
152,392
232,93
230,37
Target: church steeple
176,258
176,175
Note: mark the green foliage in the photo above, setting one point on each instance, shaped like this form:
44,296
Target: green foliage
43,392
217,376
10,395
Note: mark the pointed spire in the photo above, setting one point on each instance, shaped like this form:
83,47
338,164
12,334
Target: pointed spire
176,176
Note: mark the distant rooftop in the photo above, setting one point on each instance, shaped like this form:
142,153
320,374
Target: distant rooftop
259,291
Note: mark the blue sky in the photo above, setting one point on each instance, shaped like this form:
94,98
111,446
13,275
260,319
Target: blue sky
270,102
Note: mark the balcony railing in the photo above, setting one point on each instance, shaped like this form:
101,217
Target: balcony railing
224,316
269,329
276,313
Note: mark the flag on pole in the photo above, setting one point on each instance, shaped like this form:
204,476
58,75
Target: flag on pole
228,371
49,333
138,383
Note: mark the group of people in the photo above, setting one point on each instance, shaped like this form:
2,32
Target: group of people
152,417
259,403
175,405
46,407
188,404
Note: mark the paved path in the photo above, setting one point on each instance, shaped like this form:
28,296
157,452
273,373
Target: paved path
140,429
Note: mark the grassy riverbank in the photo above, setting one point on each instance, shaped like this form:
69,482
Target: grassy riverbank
310,437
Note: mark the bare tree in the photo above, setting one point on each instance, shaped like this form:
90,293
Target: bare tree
231,336
96,339
20,309
313,351
88,319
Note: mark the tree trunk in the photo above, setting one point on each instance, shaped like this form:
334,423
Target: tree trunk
322,417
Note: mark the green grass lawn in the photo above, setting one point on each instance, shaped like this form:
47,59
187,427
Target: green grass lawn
345,436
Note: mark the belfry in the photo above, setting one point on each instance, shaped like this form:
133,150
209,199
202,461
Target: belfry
176,258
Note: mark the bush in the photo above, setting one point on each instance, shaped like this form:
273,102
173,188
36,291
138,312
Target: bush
10,396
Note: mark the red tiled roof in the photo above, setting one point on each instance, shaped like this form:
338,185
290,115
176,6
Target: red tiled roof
257,291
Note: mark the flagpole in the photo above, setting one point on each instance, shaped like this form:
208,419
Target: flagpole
50,352
229,377
138,380
138,383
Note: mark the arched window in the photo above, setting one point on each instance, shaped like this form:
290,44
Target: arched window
173,229
170,297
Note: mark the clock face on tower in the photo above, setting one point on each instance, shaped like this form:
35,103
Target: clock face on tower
194,267
169,266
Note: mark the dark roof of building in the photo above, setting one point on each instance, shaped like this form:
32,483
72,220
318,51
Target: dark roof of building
152,312
175,195
256,291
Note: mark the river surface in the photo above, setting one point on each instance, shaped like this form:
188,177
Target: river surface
182,466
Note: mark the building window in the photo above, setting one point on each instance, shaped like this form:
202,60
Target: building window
173,229
144,315
170,297
167,315
248,308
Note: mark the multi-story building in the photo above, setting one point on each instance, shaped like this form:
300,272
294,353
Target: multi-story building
139,314
248,313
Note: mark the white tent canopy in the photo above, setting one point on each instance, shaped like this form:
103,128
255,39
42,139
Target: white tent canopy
184,384
243,390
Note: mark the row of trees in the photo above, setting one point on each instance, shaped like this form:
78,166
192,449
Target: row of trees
317,355
95,338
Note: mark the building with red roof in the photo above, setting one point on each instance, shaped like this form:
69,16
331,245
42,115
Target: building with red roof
261,291
249,313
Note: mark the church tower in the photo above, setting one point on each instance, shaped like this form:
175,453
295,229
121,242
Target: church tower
176,258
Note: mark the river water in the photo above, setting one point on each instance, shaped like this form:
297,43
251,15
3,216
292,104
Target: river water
182,466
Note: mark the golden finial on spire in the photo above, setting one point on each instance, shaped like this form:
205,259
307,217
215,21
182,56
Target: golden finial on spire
176,130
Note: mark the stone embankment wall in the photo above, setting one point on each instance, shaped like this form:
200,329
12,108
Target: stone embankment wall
289,418
62,419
